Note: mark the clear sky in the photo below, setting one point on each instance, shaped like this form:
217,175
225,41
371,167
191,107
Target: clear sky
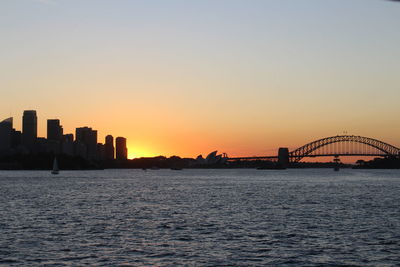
188,77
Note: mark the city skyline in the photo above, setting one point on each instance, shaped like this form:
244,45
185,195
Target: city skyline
199,133
241,78
83,143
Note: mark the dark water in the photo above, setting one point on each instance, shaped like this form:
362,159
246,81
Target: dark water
201,218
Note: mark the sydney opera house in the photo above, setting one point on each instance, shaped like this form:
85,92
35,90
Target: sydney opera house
212,159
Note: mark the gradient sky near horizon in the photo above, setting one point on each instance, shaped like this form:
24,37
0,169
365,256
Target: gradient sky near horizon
188,77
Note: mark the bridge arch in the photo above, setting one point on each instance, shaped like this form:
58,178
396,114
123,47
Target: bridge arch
306,150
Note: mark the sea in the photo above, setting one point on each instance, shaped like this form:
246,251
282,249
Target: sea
200,217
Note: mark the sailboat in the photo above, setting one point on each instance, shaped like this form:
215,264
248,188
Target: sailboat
55,167
336,160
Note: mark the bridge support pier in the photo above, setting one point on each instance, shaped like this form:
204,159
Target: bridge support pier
283,156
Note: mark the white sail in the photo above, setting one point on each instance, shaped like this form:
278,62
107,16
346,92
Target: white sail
55,167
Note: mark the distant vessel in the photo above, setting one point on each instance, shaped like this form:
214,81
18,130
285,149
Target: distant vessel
55,167
276,166
271,168
336,168
336,160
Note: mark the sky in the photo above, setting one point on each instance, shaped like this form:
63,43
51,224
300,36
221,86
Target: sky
188,77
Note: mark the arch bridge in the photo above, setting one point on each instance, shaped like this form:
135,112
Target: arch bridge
340,145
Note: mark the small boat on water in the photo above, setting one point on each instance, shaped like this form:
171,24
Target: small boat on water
336,168
55,170
337,162
272,168
276,166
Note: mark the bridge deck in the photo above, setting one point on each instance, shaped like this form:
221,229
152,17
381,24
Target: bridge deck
340,145
310,156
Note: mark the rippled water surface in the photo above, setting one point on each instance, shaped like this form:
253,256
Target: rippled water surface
200,217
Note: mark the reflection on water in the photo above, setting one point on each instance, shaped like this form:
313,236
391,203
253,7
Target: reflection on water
200,217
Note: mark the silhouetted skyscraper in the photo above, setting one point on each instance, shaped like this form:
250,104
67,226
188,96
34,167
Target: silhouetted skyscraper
16,138
68,138
54,130
6,134
121,150
29,129
101,152
109,147
67,146
88,137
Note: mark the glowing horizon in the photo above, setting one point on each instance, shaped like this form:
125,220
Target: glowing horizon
140,149
189,78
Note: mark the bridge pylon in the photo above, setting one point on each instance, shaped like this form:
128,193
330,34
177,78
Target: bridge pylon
283,156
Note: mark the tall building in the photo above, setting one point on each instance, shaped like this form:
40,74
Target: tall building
6,134
109,147
68,138
54,130
29,129
121,150
101,152
67,146
88,137
16,138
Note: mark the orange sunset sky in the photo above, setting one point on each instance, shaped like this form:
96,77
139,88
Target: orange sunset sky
189,77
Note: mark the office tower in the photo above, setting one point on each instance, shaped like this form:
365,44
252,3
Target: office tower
29,129
67,146
88,138
101,152
80,150
42,146
121,150
6,134
109,147
68,138
54,130
16,138
54,136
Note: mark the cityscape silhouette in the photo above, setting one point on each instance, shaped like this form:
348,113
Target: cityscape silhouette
199,133
85,147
